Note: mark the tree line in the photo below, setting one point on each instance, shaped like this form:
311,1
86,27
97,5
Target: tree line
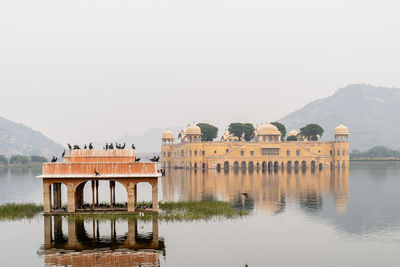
21,159
375,152
311,132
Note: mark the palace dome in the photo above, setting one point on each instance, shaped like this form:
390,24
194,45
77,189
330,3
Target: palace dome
267,129
341,130
193,129
293,133
167,134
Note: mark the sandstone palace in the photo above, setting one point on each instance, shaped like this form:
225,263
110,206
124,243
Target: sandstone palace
265,151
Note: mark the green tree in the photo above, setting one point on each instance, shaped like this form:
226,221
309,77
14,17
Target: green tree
36,158
312,132
281,128
238,128
291,138
3,160
209,132
19,159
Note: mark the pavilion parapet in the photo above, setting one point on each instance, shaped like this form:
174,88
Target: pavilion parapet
110,155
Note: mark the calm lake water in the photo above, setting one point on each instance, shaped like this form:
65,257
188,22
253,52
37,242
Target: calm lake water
322,218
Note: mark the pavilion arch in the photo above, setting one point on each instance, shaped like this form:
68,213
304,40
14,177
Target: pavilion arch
243,165
236,165
226,165
87,195
289,165
218,167
250,166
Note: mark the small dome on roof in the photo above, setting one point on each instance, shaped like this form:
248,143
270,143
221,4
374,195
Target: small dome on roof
341,130
168,134
267,129
293,133
193,129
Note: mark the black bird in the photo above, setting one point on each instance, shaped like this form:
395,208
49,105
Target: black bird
70,147
106,146
111,146
63,154
123,147
96,173
137,159
90,145
85,147
133,146
52,160
245,195
76,147
118,146
162,171
155,159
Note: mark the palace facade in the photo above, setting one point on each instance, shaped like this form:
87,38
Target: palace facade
265,151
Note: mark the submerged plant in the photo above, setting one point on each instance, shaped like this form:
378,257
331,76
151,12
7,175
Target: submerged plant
15,211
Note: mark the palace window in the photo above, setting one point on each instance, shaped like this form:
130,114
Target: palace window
164,154
169,154
270,151
297,152
241,153
227,150
343,153
287,152
203,153
338,152
251,152
195,153
182,153
330,152
319,151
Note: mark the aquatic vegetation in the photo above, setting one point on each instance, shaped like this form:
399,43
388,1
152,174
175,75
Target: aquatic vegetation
169,211
15,211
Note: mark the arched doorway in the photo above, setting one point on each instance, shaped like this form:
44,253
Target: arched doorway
313,164
226,165
251,165
269,165
264,165
218,167
303,164
58,197
296,165
289,165
236,165
276,165
243,165
320,166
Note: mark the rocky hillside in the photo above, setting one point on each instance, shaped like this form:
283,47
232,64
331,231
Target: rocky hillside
371,114
17,138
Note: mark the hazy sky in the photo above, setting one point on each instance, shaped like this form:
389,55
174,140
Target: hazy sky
96,70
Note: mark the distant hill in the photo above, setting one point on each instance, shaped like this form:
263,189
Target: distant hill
16,138
371,114
149,142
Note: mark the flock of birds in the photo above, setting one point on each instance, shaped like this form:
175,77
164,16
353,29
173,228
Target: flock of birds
108,147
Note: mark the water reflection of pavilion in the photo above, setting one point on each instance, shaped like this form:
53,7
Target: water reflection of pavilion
81,247
267,191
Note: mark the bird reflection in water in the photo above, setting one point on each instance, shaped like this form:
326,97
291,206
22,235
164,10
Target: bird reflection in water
85,244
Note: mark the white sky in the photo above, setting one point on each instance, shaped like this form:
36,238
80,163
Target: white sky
95,70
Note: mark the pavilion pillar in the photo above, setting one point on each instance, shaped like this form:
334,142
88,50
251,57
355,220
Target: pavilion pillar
71,197
113,200
47,232
135,193
97,192
93,202
131,197
46,198
155,196
111,194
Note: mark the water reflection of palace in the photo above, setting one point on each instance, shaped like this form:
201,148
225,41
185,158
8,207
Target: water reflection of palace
82,247
266,191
